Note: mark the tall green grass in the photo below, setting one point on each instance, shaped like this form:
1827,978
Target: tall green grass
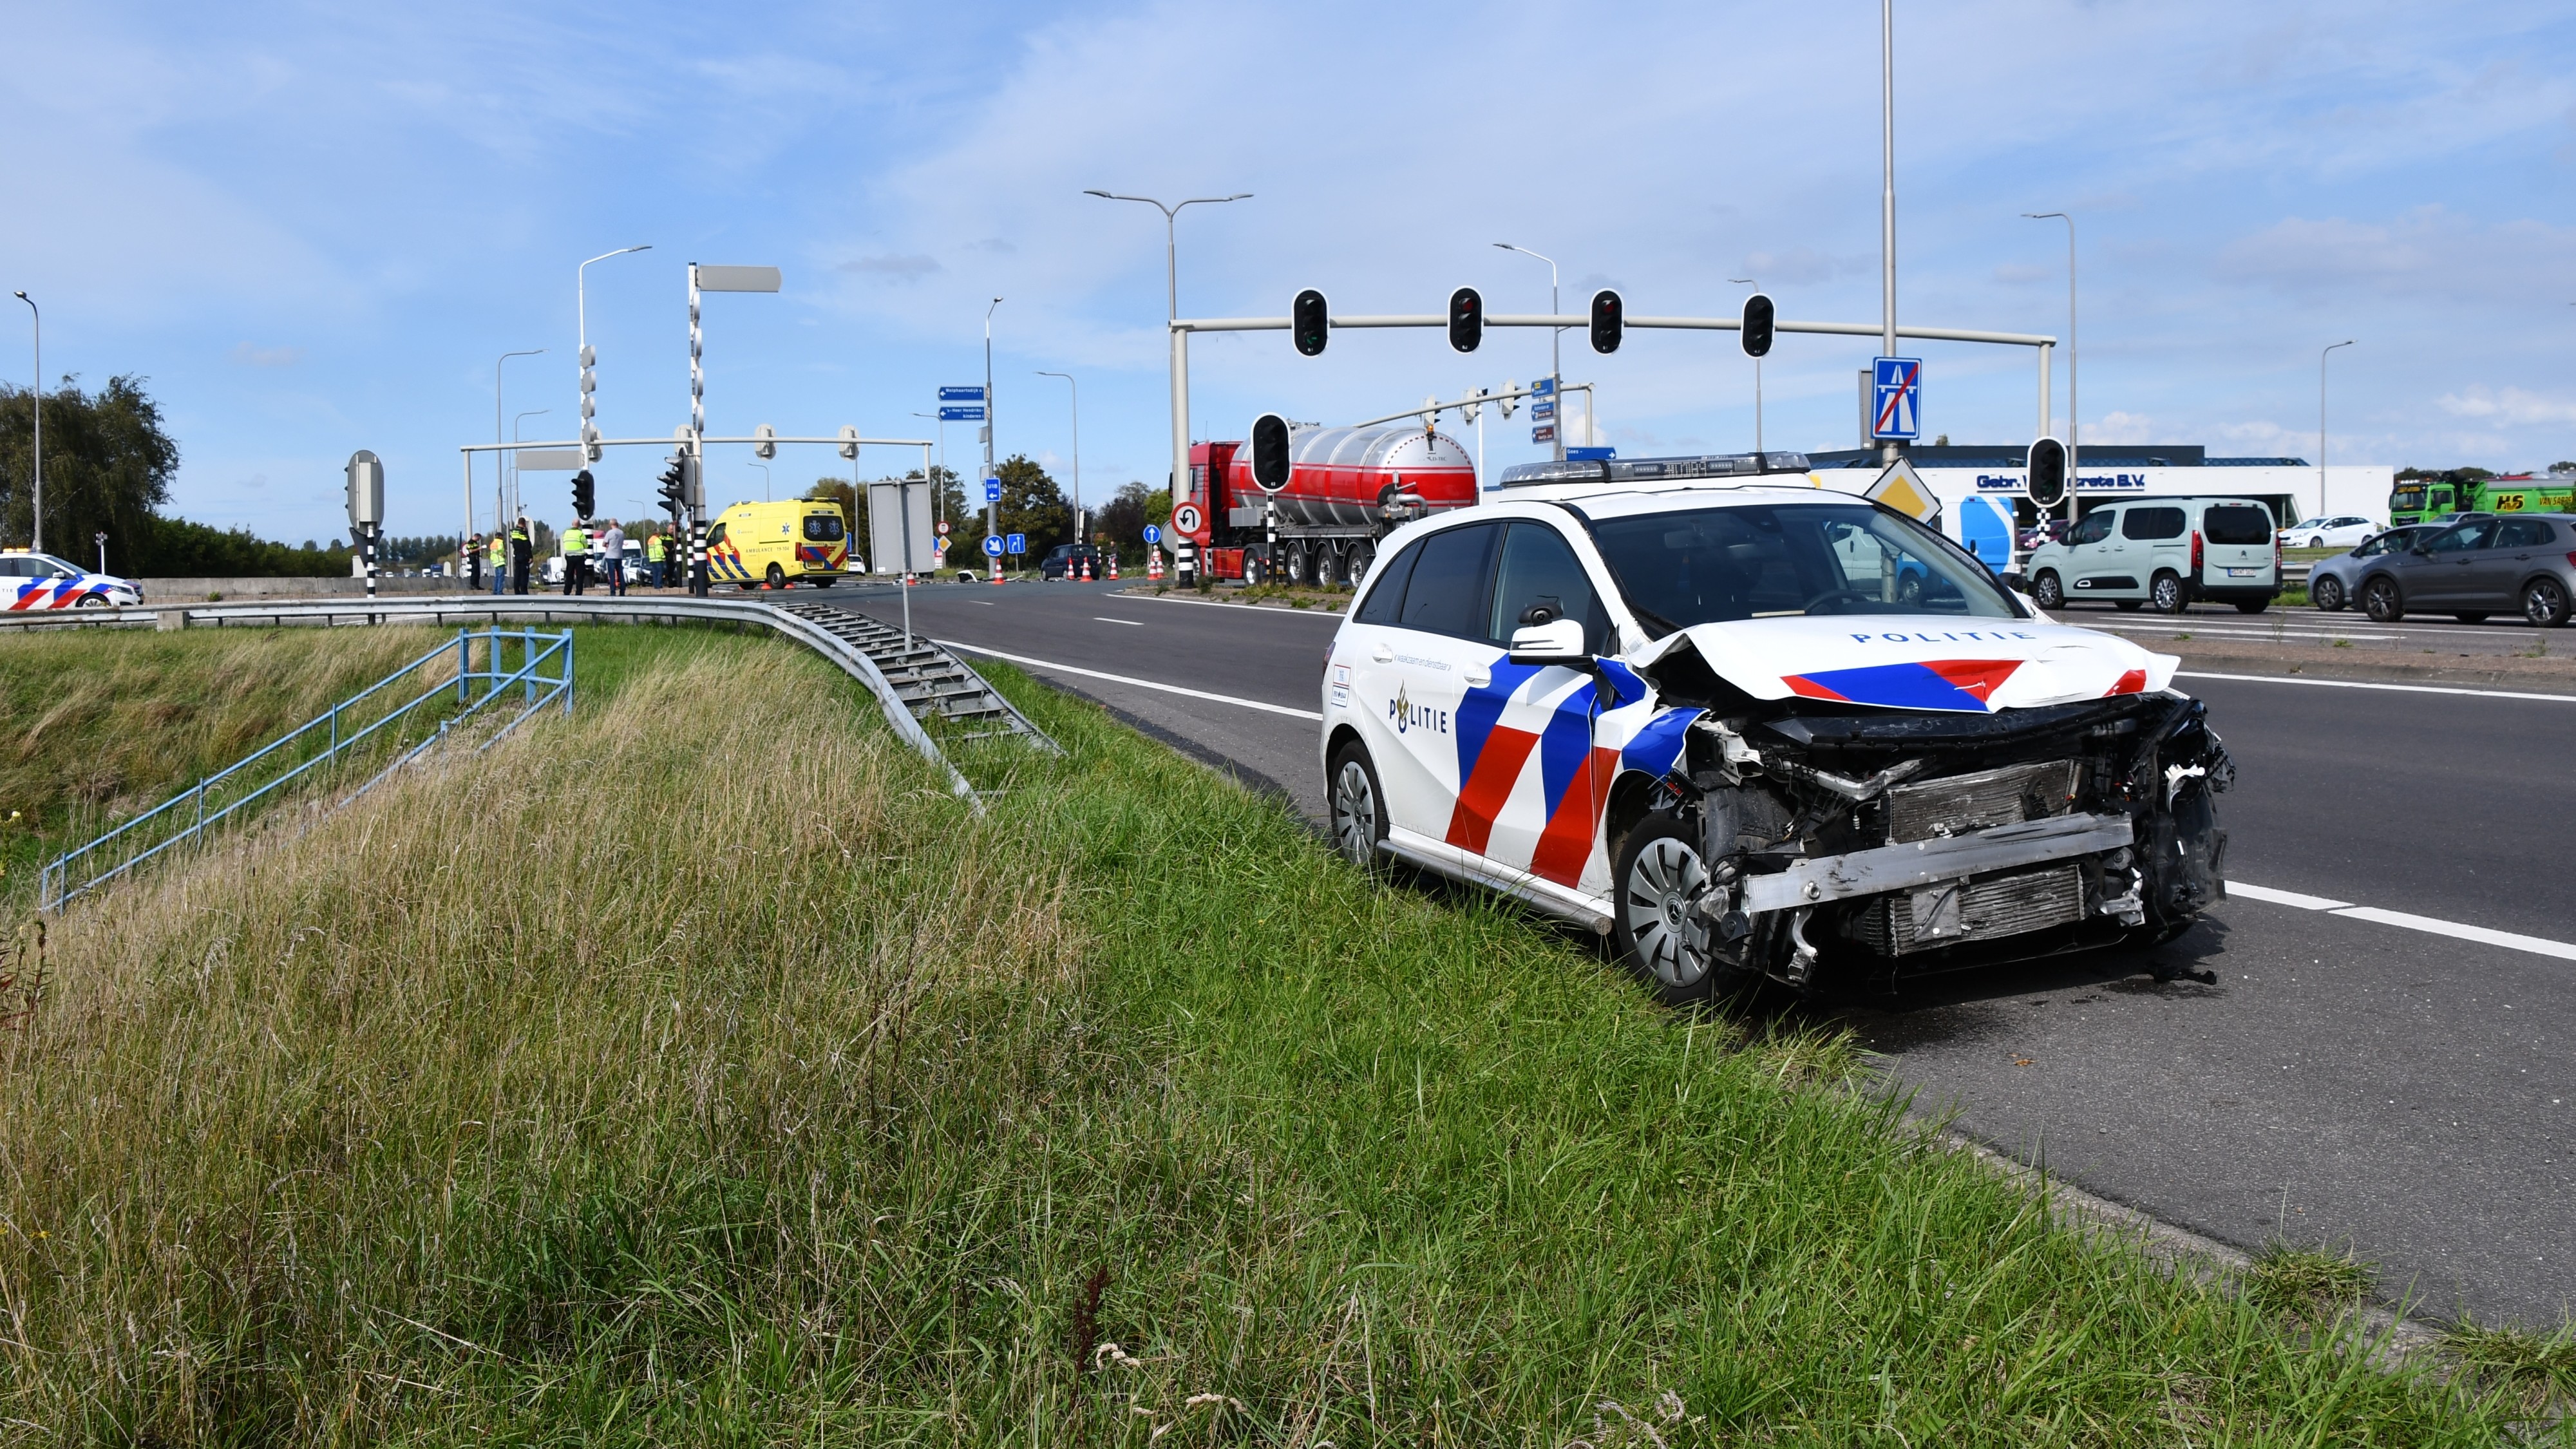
778,1098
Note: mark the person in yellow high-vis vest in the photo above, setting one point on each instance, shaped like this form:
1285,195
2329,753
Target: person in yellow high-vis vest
654,553
576,548
496,555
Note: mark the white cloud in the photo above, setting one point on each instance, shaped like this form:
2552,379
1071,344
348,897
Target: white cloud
2509,406
249,355
2119,427
2427,252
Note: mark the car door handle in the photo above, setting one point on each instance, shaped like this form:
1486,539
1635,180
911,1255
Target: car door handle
1382,654
1478,677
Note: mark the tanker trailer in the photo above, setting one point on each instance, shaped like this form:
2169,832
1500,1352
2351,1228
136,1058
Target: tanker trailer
1347,488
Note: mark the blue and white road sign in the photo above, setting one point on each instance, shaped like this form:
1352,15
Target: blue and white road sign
1897,392
1541,412
1019,543
992,545
1153,534
961,394
992,490
1543,386
967,413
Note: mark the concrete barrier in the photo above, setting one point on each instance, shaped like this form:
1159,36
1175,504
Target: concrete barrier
200,591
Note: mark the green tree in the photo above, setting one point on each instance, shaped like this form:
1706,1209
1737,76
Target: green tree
108,464
1120,523
1032,504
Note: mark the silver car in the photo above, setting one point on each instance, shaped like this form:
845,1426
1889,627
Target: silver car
2478,567
2332,581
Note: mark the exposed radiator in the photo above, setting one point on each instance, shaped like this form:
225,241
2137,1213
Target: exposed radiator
1957,804
1978,910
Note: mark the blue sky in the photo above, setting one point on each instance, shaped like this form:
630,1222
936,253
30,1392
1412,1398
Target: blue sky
313,228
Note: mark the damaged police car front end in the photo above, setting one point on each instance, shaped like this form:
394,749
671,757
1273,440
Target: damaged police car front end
1798,734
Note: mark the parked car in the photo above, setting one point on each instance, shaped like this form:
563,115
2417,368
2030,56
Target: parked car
1710,723
2331,580
1060,560
2049,531
2168,553
2477,568
2342,531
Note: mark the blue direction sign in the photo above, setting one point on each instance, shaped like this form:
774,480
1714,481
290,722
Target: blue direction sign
1897,391
1019,543
1541,412
992,490
992,545
970,413
1153,534
961,394
1544,386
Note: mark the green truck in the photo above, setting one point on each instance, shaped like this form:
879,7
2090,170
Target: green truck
2430,500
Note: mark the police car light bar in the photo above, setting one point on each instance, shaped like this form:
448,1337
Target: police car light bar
1640,470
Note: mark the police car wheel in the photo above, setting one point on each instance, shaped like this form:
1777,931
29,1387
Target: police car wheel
1358,807
94,601
1659,873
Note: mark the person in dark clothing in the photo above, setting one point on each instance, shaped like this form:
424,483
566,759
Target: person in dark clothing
520,550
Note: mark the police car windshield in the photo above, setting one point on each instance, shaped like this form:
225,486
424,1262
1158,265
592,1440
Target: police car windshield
1764,561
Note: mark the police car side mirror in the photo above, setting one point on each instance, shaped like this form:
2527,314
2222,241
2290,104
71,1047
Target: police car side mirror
1559,641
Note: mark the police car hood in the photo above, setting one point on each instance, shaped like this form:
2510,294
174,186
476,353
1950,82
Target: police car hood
1910,662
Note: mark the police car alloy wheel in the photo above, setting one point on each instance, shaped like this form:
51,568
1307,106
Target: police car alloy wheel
1359,820
1660,874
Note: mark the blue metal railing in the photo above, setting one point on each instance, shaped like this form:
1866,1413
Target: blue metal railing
184,817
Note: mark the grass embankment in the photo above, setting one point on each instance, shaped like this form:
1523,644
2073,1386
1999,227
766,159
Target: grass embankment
779,1099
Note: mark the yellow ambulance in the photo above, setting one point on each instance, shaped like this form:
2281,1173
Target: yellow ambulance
778,544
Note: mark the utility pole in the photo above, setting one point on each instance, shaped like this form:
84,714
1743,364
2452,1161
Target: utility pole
1077,451
1890,450
992,506
36,406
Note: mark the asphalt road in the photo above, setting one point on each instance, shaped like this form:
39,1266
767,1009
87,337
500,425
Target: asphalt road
2346,1082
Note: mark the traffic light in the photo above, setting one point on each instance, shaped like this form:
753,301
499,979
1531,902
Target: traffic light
2047,485
582,494
1609,319
1270,452
670,489
1309,323
1466,319
767,447
1760,318
589,385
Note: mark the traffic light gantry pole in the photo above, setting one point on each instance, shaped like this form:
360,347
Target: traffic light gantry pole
1182,327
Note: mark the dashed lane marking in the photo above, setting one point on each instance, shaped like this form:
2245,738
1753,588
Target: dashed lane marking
1105,619
2456,930
1053,667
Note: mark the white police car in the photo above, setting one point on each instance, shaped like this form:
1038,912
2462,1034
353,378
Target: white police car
39,581
1751,728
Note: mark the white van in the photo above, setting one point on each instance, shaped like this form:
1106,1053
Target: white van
2168,553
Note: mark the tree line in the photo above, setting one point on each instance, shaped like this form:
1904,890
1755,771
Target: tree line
1033,504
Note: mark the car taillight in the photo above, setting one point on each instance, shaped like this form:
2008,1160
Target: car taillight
2276,553
2195,550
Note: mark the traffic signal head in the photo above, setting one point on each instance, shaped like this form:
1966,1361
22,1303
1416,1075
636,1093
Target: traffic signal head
670,480
1270,452
1759,319
582,497
1466,319
1609,320
1309,323
2047,485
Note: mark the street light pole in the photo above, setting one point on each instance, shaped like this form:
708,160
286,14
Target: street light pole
1180,490
1077,451
1555,339
500,473
938,501
1757,374
502,525
2074,427
36,406
764,481
2321,422
1890,451
992,506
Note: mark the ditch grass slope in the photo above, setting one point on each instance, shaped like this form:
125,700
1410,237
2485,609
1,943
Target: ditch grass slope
776,1096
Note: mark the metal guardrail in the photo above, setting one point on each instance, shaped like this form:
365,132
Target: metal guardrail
487,609
162,825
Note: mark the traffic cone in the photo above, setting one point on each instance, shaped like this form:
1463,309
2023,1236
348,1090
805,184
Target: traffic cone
1153,564
1113,568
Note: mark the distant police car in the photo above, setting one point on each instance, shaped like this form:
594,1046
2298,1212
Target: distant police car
38,581
1753,728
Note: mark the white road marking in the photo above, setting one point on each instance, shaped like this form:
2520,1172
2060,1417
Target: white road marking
2372,684
1333,614
982,603
1050,664
2457,930
1105,619
2238,632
